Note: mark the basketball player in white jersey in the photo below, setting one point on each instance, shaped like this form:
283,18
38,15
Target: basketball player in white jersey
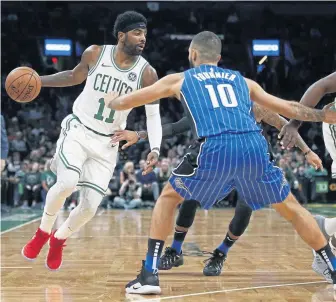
289,134
85,157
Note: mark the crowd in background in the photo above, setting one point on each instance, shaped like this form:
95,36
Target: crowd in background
308,53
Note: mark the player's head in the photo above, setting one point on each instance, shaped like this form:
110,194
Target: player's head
205,47
130,28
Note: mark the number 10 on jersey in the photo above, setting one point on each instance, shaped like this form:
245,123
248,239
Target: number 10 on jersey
226,95
99,115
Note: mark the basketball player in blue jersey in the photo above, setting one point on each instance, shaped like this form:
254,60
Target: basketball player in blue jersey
173,256
232,153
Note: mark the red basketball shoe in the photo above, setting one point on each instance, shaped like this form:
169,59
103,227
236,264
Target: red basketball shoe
54,258
31,250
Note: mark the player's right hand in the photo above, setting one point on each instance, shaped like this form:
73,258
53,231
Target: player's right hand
125,135
288,136
330,113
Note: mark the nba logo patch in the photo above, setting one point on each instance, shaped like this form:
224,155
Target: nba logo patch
132,76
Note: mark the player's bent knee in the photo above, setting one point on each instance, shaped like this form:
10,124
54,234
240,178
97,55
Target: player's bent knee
187,213
169,195
66,186
89,203
289,208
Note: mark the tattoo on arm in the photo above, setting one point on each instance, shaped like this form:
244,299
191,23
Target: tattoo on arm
305,113
277,121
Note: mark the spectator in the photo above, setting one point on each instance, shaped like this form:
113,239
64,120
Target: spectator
127,172
163,173
48,179
32,186
19,144
4,144
150,186
18,180
14,164
130,194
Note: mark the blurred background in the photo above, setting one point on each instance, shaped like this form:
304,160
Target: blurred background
285,47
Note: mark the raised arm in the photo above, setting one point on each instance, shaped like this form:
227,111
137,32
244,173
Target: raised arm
154,127
77,75
288,108
311,98
277,121
170,85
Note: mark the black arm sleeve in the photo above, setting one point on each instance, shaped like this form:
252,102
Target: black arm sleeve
169,130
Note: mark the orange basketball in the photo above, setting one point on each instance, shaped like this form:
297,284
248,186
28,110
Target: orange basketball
23,84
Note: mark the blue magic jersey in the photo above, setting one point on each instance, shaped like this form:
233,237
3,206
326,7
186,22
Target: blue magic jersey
218,101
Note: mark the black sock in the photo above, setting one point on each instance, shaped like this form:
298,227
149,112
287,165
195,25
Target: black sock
226,244
328,257
153,254
178,240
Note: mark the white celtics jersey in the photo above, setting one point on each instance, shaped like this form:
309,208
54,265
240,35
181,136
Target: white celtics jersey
103,78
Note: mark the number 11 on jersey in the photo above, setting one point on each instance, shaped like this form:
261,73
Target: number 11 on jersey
99,115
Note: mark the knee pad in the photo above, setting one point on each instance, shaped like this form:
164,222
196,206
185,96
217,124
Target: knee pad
187,213
241,218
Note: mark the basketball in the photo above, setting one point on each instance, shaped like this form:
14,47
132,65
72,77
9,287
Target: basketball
23,84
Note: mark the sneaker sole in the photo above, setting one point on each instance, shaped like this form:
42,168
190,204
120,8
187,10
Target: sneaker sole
52,269
24,256
144,290
212,274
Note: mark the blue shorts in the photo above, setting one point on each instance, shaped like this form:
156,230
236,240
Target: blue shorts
213,167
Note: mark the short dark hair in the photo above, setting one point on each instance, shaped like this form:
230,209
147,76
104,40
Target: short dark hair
208,44
125,19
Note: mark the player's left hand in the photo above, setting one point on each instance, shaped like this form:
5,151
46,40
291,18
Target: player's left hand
125,135
108,99
314,160
151,161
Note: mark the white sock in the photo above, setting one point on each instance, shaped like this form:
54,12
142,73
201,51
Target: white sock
47,222
330,226
83,213
56,196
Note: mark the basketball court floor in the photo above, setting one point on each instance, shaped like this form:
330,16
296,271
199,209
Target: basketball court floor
269,263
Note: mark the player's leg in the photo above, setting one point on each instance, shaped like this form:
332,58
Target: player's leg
173,256
147,281
89,201
67,164
308,229
237,227
268,182
195,178
93,184
328,228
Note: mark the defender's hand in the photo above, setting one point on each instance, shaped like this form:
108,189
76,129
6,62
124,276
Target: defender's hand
314,160
152,160
288,136
110,97
125,135
330,113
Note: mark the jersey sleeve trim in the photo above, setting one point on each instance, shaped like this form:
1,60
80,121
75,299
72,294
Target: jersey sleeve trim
99,59
140,75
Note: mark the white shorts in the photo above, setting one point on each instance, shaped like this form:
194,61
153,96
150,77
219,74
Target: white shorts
329,135
89,154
